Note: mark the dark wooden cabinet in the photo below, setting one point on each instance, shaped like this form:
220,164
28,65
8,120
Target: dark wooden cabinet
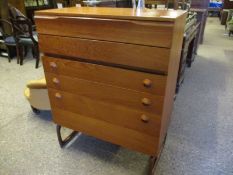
227,4
200,7
200,4
189,47
201,18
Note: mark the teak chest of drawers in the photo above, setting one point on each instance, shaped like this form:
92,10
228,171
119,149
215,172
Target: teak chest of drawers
111,72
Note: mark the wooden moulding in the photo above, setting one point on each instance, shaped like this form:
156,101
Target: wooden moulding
172,76
122,31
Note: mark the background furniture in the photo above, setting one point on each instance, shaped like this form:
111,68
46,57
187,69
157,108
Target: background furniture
7,42
227,4
115,3
189,47
25,37
32,5
224,16
4,15
117,86
3,49
230,27
215,8
150,3
229,17
36,93
200,4
202,15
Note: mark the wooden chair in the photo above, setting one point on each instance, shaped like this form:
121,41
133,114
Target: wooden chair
25,37
8,39
229,17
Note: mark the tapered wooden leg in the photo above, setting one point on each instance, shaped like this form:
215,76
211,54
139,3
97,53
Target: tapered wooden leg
21,55
9,54
25,51
36,54
37,59
17,53
64,142
153,160
152,165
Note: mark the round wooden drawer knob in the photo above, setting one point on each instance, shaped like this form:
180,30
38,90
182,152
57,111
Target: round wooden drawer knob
53,64
56,81
147,83
58,95
146,101
145,118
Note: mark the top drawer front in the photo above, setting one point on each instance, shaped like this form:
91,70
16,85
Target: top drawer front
131,56
126,31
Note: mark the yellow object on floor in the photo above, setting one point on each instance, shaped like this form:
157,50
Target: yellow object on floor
36,93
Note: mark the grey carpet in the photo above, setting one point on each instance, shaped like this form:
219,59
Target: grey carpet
199,142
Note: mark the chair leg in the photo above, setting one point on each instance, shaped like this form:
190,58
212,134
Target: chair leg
25,51
37,62
18,54
9,55
21,57
37,55
153,160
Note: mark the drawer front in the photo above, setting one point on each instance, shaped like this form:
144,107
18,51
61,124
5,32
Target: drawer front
119,54
143,82
108,94
107,131
100,110
124,31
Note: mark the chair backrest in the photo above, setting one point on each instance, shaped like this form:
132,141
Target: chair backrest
4,23
22,32
14,12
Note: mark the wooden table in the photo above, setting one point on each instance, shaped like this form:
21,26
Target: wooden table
111,72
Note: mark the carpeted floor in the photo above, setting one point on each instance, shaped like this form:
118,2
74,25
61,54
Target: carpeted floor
200,137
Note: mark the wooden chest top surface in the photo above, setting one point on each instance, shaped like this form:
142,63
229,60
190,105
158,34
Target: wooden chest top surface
115,13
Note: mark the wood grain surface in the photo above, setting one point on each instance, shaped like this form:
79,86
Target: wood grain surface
138,56
123,31
112,73
101,110
114,13
103,130
108,75
107,93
